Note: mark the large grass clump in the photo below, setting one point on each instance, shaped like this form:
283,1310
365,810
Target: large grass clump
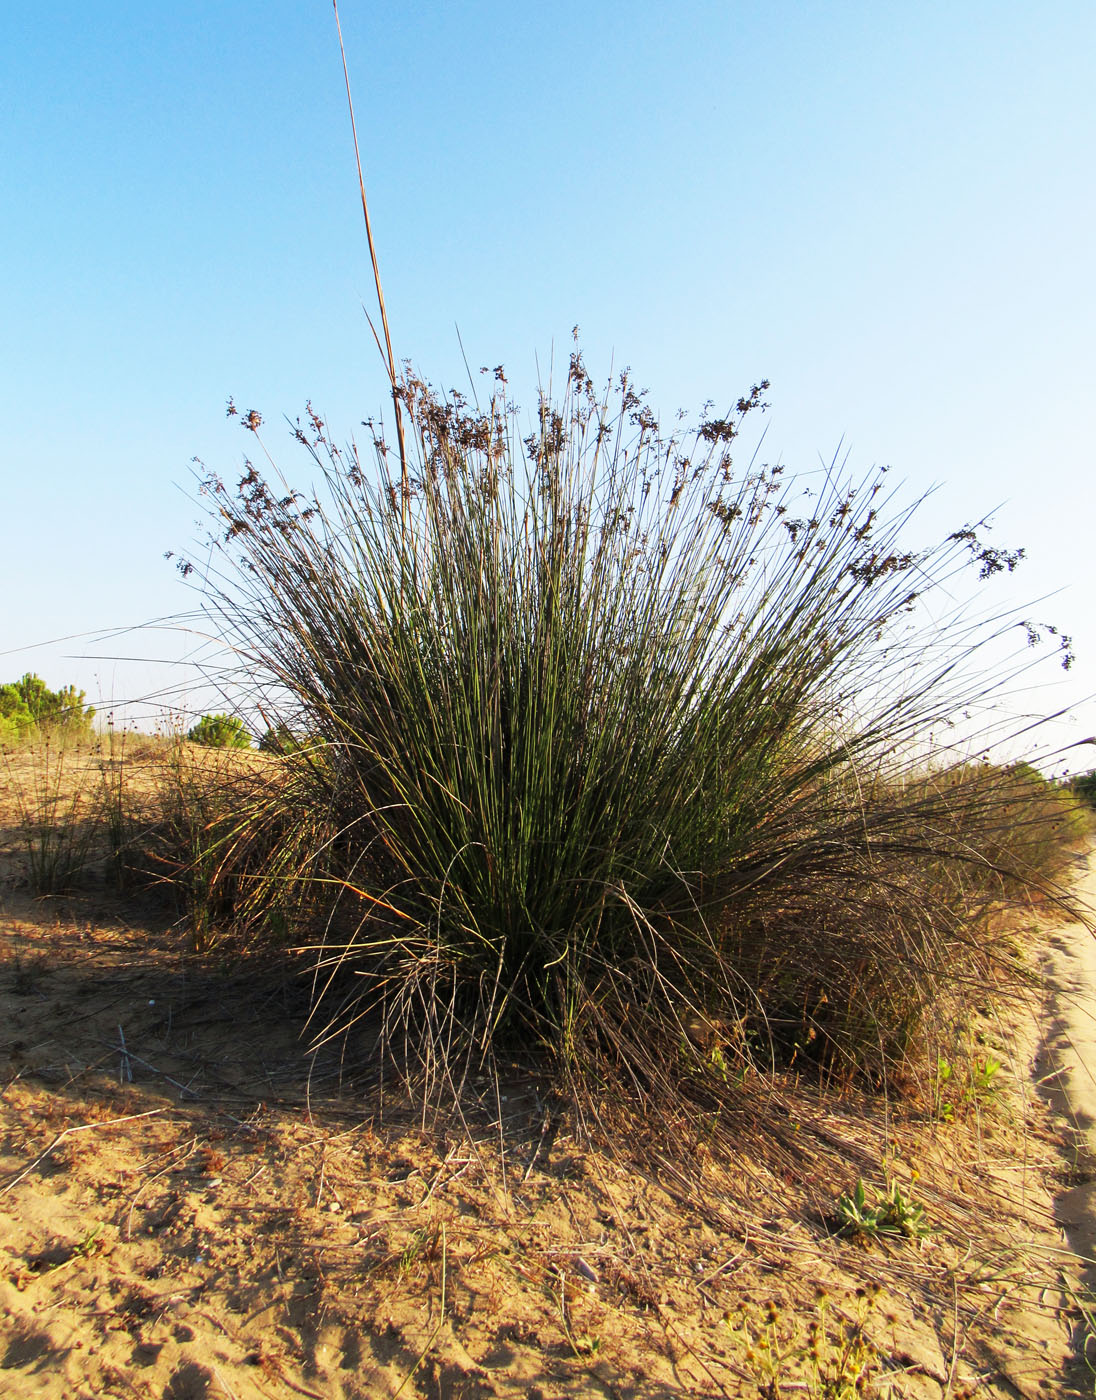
608,745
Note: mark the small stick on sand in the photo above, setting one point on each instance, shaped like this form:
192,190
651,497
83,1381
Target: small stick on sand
125,1069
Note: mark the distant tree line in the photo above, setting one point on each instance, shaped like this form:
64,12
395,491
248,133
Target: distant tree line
28,708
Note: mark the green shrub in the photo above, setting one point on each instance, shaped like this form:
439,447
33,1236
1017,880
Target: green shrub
1085,787
29,707
16,725
617,741
220,732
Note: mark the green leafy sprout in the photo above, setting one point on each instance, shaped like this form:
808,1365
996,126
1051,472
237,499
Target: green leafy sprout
871,1214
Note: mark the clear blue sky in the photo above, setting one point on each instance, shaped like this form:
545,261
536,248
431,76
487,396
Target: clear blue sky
887,210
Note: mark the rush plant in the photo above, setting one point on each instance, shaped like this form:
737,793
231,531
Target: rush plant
610,737
55,816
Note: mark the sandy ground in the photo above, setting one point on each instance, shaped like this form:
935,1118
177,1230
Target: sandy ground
191,1205
1066,1068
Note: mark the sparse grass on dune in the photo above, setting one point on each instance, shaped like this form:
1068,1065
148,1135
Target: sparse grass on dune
139,813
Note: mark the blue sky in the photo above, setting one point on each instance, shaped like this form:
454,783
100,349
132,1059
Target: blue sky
886,210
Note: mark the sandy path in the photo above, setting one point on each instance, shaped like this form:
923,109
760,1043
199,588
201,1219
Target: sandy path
1066,1064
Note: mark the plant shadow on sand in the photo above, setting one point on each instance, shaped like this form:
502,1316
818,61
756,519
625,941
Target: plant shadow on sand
269,1222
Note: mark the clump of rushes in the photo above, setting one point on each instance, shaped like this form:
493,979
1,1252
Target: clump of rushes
612,741
230,842
55,816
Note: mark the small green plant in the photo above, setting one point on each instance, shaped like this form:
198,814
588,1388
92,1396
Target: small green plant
220,732
91,1244
944,1107
891,1214
581,1343
411,1251
959,1086
983,1075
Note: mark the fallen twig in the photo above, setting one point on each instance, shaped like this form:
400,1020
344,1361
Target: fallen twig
129,1059
125,1069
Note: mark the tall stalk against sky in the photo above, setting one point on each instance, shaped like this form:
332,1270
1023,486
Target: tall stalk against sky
388,353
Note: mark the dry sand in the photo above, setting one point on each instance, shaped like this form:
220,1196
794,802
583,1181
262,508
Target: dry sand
1066,1066
190,1206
